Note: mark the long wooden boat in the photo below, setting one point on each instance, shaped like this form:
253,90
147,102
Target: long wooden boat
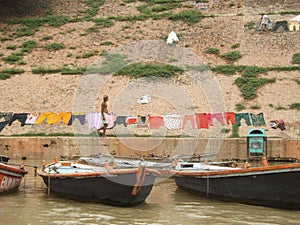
106,184
10,177
273,186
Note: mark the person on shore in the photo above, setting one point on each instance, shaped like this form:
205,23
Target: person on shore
104,114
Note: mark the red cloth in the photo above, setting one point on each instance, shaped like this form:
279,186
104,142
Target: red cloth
155,122
229,117
202,120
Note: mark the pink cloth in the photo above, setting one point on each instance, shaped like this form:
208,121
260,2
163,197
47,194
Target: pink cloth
217,116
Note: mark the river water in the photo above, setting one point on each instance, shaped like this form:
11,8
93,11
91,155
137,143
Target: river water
166,204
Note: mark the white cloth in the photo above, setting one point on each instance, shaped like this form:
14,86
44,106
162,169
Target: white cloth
31,118
172,121
172,37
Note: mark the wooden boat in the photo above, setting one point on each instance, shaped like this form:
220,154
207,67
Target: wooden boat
106,184
10,177
273,186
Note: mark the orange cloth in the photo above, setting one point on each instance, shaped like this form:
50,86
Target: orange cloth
64,116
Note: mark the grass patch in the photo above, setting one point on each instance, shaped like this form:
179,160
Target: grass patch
295,106
150,70
11,47
239,107
12,58
232,56
7,73
42,70
27,46
188,16
249,86
214,51
296,58
54,47
112,64
255,106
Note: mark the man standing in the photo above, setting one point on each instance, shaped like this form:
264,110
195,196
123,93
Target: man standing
104,114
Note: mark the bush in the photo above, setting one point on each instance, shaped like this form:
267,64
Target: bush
239,107
249,86
212,51
11,47
189,16
296,58
12,58
54,47
27,46
232,56
149,70
295,106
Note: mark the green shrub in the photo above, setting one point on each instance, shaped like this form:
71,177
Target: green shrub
7,73
112,63
249,86
24,31
239,107
255,106
189,16
295,106
106,43
232,56
149,70
12,58
74,71
42,70
11,47
212,51
235,46
54,47
27,46
227,69
253,71
104,22
47,38
296,58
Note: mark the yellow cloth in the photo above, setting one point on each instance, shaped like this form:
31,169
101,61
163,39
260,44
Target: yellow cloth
49,115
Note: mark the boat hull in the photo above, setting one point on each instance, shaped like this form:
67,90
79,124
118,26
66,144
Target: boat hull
112,190
278,188
10,178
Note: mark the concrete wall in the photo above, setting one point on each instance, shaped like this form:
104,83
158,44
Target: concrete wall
50,147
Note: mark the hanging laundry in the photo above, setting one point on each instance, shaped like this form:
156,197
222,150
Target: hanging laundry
111,120
229,118
217,116
142,121
7,116
239,116
172,121
49,115
187,118
120,120
79,116
201,120
31,118
21,117
3,124
94,120
258,120
155,122
64,116
131,120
